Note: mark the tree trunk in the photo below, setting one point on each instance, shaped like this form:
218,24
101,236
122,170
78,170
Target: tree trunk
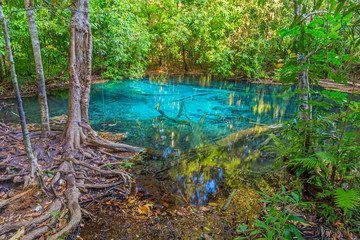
2,66
184,59
80,53
34,167
305,113
44,111
303,77
77,130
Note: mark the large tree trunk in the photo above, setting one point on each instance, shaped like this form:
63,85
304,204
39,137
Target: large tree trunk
80,53
44,111
34,167
77,129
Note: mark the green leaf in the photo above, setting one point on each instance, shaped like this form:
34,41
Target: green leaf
261,224
309,162
296,218
287,233
295,231
296,196
318,4
271,219
296,22
242,227
351,10
339,7
336,28
332,5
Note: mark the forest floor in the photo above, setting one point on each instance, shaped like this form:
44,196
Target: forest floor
157,212
147,207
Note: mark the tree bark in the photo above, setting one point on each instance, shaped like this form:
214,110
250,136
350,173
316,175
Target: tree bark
184,59
2,66
44,111
80,53
34,167
77,130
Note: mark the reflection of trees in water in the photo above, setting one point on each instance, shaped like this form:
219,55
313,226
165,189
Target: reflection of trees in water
203,171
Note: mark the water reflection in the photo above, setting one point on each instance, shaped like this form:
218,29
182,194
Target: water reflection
213,108
181,113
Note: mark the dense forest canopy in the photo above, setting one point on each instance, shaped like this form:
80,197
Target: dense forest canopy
222,37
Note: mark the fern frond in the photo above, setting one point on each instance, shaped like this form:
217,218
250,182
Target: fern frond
346,199
327,157
277,147
309,162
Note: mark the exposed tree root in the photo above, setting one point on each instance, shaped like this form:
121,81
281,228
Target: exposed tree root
3,203
56,205
124,174
65,174
93,139
72,195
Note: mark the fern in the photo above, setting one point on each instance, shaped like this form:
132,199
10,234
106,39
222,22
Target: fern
327,157
346,199
278,146
309,162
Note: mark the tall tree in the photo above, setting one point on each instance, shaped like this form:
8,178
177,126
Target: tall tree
34,167
80,53
77,129
44,110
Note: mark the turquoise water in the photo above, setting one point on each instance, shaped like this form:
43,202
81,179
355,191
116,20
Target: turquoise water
199,111
211,109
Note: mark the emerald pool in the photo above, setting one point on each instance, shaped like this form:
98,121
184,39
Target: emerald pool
210,109
174,114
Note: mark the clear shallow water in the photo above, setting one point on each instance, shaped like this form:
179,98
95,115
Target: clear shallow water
213,108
